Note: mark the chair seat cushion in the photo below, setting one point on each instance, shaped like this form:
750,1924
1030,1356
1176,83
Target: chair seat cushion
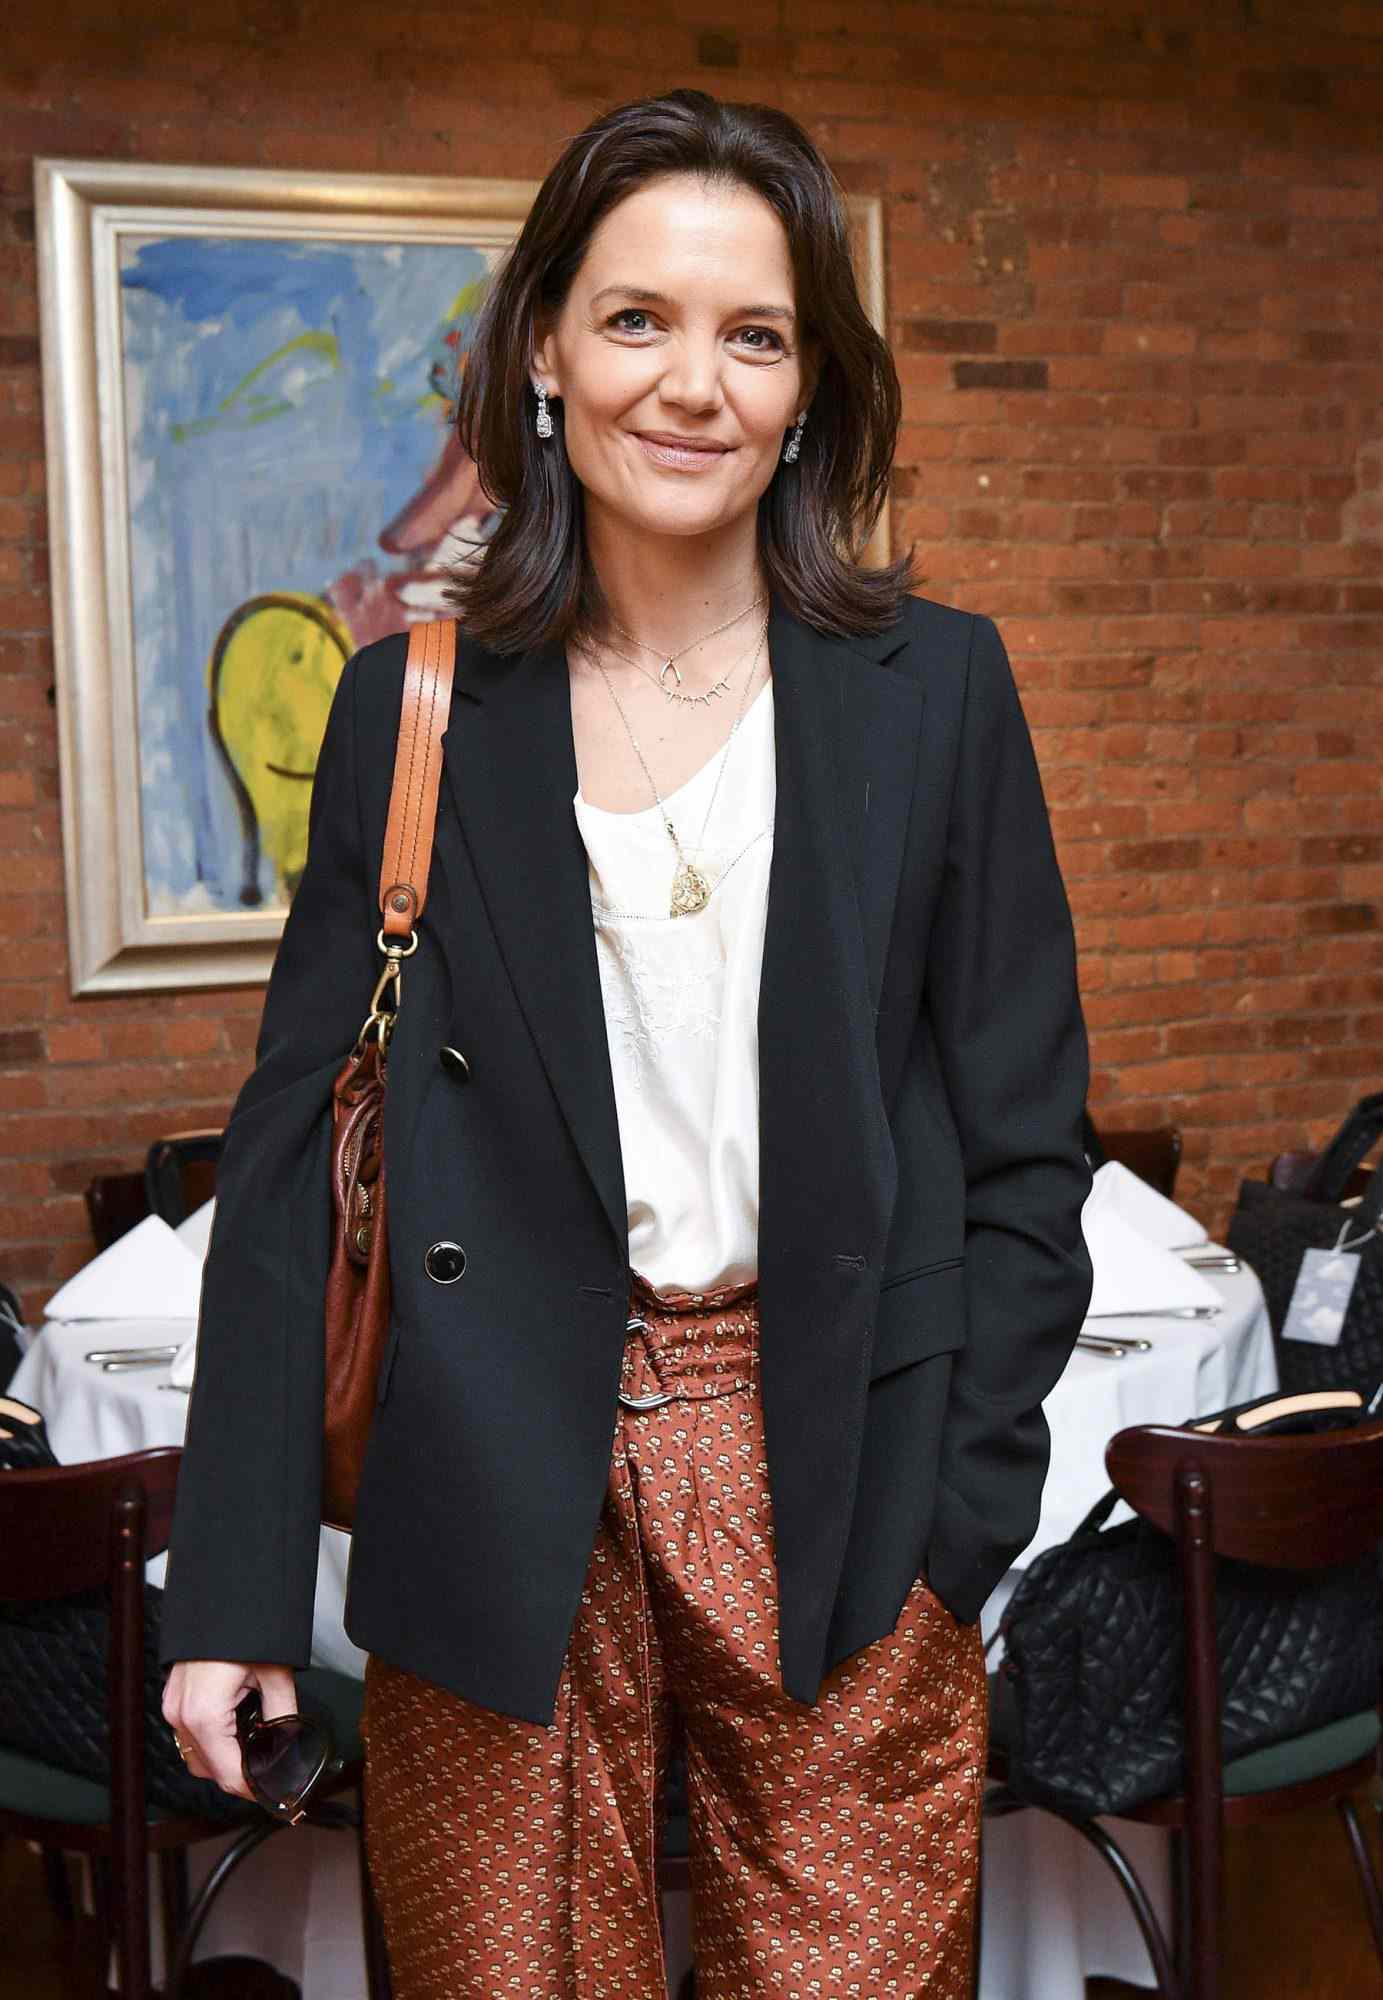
43,1791
1312,1755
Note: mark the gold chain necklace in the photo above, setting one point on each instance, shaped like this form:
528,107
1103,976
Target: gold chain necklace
672,693
690,889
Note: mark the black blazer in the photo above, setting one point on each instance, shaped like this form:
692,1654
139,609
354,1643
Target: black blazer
923,1070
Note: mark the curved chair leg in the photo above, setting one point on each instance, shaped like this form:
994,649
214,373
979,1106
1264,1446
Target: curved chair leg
1109,1850
1363,1862
245,1844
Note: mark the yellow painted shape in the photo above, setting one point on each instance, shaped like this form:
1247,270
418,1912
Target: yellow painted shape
278,675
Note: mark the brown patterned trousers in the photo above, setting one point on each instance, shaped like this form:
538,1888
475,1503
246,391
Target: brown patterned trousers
833,1847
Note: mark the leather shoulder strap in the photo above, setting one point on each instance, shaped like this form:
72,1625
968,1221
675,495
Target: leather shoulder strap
417,770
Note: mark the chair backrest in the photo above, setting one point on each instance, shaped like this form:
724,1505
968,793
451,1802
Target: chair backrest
1287,1502
1153,1153
57,1532
180,1172
114,1204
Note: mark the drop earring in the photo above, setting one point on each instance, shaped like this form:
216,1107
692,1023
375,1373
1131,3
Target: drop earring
794,443
544,414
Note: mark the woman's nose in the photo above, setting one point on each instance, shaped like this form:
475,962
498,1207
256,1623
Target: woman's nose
692,378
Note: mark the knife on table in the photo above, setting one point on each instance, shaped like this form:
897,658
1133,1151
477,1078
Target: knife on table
138,1356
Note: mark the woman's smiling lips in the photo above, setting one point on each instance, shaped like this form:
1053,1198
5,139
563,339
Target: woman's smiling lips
686,454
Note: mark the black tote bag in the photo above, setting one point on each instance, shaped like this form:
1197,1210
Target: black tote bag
1273,1228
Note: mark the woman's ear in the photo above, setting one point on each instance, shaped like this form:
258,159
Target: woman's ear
541,367
811,375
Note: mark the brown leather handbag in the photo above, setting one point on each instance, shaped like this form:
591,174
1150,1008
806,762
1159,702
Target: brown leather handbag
357,1295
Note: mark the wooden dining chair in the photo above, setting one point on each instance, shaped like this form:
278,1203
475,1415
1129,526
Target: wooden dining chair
178,1175
1283,1503
1153,1152
180,1172
114,1204
81,1528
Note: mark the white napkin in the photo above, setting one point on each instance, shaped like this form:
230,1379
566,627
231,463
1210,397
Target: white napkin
145,1274
1150,1213
1132,1273
195,1231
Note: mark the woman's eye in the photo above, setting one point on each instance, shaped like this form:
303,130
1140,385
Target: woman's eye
763,334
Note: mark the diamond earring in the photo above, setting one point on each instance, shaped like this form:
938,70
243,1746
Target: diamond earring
794,443
544,414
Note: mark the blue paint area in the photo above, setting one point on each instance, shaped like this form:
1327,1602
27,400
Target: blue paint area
284,400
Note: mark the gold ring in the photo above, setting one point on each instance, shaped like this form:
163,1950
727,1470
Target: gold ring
181,1746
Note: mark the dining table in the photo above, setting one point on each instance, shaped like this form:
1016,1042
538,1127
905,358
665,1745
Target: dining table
1052,1914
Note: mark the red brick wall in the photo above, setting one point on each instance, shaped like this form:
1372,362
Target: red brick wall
1136,289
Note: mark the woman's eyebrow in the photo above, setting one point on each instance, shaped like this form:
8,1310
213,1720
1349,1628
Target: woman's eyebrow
645,297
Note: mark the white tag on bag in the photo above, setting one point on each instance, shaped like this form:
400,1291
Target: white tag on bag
1320,1297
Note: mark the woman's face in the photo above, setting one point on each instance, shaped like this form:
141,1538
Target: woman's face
678,358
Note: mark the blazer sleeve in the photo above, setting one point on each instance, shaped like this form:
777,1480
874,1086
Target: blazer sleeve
1005,1009
243,1556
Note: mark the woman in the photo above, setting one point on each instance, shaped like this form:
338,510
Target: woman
735,1109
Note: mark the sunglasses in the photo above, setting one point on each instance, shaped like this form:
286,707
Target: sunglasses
283,1757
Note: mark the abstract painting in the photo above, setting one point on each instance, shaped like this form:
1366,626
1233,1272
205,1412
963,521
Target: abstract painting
256,436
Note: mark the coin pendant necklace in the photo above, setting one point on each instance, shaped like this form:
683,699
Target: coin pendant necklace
690,889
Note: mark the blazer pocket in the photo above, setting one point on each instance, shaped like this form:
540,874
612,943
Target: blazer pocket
921,1312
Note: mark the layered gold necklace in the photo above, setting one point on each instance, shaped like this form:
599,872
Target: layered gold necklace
691,890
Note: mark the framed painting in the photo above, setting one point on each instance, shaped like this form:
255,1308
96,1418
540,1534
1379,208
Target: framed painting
249,379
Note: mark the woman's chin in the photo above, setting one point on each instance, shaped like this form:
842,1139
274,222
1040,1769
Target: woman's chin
663,514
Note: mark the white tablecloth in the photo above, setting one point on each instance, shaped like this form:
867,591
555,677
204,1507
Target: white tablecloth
1052,1914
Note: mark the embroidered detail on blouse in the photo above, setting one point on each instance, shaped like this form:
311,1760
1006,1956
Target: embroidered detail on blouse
655,1004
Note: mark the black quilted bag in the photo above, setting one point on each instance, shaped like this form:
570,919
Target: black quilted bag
53,1688
1092,1679
1272,1229
53,1701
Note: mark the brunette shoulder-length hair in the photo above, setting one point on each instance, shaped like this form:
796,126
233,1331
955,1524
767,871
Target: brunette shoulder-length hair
534,583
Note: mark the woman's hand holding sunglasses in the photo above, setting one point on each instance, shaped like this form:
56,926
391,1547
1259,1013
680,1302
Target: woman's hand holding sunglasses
239,1725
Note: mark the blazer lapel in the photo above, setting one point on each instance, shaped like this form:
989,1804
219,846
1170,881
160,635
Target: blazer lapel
510,764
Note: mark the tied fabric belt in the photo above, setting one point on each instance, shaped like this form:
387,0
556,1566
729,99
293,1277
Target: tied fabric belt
693,1344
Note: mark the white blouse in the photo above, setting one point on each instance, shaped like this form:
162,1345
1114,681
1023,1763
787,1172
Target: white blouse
681,1011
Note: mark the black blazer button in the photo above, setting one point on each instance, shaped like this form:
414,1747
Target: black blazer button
455,1064
444,1263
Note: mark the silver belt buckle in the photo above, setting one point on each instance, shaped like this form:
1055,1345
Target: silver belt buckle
644,1402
